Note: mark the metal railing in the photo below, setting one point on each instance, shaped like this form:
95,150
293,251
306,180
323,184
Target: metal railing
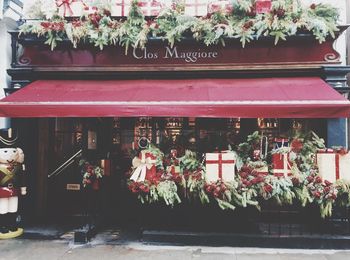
65,165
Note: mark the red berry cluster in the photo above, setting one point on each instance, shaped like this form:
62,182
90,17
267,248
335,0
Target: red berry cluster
216,189
154,177
296,181
95,19
138,187
250,177
251,12
195,175
321,189
53,26
296,145
176,177
152,24
248,25
280,12
77,23
268,188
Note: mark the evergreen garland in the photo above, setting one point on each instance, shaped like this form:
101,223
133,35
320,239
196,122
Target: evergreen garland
252,184
286,18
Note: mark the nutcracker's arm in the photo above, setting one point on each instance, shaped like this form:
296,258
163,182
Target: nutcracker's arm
23,183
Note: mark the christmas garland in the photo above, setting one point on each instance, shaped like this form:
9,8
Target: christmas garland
171,179
90,174
286,18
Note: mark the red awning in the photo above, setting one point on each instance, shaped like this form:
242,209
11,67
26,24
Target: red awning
307,97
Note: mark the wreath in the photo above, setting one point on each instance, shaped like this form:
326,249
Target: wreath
148,178
91,174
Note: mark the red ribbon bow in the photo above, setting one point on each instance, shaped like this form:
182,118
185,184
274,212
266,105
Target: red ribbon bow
66,6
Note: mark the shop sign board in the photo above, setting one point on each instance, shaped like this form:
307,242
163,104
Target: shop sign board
296,52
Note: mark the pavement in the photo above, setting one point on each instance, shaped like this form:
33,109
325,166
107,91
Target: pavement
111,244
28,249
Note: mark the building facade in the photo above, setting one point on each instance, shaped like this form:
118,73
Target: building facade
81,120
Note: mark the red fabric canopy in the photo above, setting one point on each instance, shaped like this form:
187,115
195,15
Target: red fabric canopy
306,97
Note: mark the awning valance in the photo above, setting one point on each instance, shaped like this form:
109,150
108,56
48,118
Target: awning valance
302,97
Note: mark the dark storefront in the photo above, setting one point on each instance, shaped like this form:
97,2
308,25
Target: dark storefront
97,105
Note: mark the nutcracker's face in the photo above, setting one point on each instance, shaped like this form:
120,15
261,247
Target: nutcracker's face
11,155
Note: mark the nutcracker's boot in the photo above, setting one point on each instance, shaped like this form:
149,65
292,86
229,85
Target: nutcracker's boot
12,222
4,224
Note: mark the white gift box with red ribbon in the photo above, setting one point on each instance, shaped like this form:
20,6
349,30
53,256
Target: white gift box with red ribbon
224,6
281,164
333,165
168,4
145,162
70,8
150,7
196,7
220,166
280,143
120,7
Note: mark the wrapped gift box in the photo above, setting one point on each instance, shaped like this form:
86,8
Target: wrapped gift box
196,7
70,8
220,166
263,6
168,4
173,169
263,170
120,7
144,167
281,164
150,7
224,6
280,143
333,165
90,9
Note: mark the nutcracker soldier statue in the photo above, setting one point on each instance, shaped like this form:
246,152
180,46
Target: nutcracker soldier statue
11,182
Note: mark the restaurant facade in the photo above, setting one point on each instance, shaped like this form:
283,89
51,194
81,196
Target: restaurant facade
171,135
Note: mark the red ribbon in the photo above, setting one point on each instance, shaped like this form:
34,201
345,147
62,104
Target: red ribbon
151,173
123,6
220,161
337,175
150,8
66,6
196,5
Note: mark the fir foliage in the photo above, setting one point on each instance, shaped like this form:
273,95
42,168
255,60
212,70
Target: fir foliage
286,18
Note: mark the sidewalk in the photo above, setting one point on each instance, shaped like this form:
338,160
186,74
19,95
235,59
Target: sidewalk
29,249
51,243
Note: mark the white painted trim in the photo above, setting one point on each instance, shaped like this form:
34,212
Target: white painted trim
1,9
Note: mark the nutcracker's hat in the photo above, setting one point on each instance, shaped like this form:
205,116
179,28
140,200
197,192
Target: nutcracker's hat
8,137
